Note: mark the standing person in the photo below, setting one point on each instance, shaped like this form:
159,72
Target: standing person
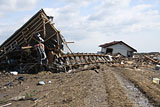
42,58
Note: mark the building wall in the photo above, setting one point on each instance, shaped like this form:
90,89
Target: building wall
118,48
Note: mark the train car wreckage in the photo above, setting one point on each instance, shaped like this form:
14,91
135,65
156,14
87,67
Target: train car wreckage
38,45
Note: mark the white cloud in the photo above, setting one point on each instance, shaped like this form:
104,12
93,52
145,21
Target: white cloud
110,20
79,3
8,27
1,14
5,31
17,5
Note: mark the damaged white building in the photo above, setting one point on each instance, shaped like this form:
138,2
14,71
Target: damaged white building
117,47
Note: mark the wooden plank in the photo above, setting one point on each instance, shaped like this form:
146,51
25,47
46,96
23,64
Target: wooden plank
50,37
44,28
21,38
14,37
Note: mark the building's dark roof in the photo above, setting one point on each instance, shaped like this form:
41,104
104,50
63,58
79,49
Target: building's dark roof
114,43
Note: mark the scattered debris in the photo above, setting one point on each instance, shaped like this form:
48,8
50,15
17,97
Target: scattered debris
9,84
17,98
14,72
20,78
110,58
96,71
69,71
41,83
154,61
157,67
49,82
6,105
156,80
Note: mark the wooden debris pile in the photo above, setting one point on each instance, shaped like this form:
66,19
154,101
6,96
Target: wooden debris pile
38,45
139,59
31,44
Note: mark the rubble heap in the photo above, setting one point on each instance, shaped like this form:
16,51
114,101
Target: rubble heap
38,45
30,44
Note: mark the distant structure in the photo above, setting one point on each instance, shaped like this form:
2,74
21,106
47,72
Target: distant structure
117,47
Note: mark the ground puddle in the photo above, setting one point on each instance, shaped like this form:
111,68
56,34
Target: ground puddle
133,92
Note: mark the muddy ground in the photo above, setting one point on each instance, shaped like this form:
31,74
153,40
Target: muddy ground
105,87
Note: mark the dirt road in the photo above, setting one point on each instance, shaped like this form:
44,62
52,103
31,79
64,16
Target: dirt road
105,87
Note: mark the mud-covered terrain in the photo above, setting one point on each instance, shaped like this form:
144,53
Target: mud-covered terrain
104,87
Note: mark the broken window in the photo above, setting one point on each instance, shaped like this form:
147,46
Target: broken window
129,53
109,51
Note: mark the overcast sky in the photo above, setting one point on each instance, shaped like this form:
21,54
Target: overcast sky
90,23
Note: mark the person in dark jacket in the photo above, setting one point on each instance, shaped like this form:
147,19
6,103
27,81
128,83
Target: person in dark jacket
42,58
